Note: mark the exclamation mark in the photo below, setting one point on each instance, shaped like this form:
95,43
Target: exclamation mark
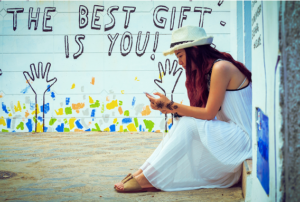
155,45
67,46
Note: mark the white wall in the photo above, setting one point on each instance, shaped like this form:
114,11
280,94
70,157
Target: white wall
266,94
116,81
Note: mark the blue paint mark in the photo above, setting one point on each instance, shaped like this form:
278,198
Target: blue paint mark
13,131
45,129
143,129
8,121
161,113
88,129
126,120
152,131
25,89
78,124
140,128
112,128
29,125
32,106
48,87
263,150
4,108
40,119
93,113
53,95
133,101
170,126
46,108
67,100
60,128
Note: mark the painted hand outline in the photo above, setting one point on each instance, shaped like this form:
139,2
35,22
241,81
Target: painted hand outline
167,78
36,80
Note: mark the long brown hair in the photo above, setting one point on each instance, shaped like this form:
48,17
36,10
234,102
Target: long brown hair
196,82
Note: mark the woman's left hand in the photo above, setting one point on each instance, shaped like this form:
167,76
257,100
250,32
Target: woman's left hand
159,103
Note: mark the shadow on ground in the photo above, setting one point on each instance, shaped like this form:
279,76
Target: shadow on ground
84,167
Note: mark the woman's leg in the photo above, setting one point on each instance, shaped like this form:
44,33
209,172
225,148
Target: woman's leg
141,179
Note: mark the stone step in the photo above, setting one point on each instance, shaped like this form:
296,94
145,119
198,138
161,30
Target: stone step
247,179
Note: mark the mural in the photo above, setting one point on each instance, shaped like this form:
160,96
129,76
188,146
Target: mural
102,58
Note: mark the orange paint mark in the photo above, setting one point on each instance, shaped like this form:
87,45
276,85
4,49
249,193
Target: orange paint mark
78,130
89,123
73,86
107,98
181,101
1,96
120,110
169,121
93,81
27,81
77,106
26,114
146,111
157,131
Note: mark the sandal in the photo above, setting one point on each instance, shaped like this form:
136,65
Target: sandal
132,186
125,178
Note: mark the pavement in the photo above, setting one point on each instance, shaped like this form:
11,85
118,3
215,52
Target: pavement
84,167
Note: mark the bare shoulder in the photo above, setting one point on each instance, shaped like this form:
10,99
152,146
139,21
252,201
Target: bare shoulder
223,67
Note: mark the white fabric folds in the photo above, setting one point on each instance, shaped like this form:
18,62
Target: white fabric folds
204,153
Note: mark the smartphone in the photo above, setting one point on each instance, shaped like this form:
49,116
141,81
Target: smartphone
149,94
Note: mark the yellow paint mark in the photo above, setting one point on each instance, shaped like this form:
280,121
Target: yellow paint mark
136,79
18,108
122,91
113,104
89,123
131,127
26,114
73,86
146,111
77,106
78,130
91,100
38,110
121,128
39,127
115,120
181,101
169,121
9,114
106,130
1,96
93,81
120,110
71,122
157,131
60,111
160,77
107,98
2,121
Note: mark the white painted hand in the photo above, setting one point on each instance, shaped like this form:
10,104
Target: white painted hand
168,76
38,79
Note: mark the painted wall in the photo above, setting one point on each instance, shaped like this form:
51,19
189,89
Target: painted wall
267,119
83,66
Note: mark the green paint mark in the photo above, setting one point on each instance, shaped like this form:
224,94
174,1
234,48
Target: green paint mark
136,122
34,119
120,103
125,130
68,110
24,107
97,127
3,130
96,104
66,130
21,125
149,124
117,123
66,121
52,121
102,109
126,113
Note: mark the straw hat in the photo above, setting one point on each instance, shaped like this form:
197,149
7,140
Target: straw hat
188,36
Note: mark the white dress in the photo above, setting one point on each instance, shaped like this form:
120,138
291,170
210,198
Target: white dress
200,153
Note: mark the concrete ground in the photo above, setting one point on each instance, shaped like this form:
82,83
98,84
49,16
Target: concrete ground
84,167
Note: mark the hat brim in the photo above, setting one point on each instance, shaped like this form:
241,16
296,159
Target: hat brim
199,42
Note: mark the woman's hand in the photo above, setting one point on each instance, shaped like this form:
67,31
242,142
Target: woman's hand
162,103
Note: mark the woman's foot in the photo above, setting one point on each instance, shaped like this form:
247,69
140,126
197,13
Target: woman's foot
141,179
134,174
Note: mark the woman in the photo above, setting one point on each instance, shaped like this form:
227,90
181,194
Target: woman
200,151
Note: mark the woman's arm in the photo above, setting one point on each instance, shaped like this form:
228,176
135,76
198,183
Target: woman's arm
220,79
